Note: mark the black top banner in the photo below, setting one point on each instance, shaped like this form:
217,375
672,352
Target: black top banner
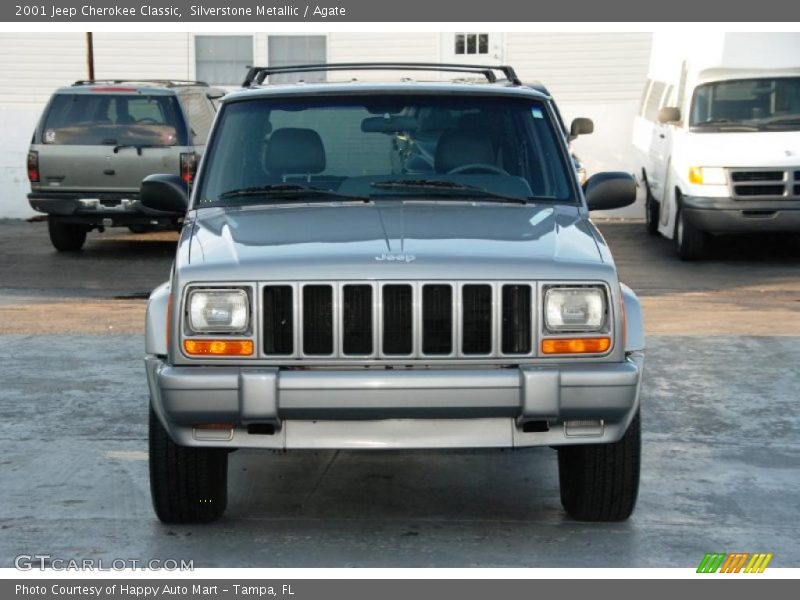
395,11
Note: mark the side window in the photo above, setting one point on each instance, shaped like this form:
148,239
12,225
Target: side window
471,43
200,115
653,102
643,99
682,86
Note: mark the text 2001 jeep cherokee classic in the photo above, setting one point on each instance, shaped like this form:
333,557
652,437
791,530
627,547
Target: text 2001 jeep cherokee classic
392,265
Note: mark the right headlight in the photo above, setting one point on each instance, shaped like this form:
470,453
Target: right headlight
218,311
576,309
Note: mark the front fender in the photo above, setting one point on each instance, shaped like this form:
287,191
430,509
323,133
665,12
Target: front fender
155,330
634,323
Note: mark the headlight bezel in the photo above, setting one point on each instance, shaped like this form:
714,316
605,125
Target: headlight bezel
190,329
573,330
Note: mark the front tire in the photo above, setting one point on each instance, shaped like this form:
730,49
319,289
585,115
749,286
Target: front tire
690,242
187,485
600,482
65,237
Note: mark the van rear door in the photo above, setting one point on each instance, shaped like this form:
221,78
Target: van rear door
108,140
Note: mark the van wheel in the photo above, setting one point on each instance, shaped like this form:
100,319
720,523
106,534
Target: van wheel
651,210
600,482
65,237
187,485
690,242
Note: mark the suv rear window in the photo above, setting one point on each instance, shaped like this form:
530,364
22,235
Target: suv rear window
113,119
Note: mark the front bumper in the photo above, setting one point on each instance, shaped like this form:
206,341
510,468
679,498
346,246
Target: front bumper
431,408
726,215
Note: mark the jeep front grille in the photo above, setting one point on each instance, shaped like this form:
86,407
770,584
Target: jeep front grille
398,319
765,183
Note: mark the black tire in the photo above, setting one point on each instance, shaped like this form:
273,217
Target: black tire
188,485
690,242
600,482
651,209
65,237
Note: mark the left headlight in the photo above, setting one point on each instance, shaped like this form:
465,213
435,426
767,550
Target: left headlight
576,309
218,311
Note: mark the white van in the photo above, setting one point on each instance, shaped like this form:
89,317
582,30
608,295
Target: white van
718,137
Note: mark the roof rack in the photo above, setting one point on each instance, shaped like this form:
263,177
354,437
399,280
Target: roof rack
164,82
258,75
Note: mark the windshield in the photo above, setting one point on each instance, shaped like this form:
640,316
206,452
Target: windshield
113,119
759,104
384,146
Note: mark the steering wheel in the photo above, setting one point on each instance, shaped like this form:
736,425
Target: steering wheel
479,168
147,120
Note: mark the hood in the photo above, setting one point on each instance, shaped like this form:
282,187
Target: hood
393,239
743,149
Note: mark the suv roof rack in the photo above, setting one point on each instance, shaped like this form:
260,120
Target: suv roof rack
164,82
258,75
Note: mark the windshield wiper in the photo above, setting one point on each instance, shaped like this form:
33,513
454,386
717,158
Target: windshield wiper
782,120
289,190
723,123
139,147
445,187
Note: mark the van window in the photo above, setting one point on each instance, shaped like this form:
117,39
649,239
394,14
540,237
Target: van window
654,100
682,85
763,103
643,99
113,119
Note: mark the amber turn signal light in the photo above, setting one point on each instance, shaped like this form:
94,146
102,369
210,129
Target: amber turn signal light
218,347
576,345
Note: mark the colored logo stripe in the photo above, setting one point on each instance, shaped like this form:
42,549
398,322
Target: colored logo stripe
714,562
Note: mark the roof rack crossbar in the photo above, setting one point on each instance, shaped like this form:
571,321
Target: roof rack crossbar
258,75
165,82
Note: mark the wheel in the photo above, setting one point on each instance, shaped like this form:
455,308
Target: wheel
651,210
600,482
690,242
65,237
188,485
478,168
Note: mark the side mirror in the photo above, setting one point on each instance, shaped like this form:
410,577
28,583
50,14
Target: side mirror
165,193
580,126
669,114
606,191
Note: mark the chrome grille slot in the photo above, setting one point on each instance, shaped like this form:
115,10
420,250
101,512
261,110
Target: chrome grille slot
516,319
278,320
437,319
357,320
764,182
476,319
398,320
318,320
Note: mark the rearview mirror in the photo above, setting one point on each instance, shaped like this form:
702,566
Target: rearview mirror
606,191
166,193
669,114
580,126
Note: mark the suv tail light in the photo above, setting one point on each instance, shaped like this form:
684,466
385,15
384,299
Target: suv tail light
33,166
188,167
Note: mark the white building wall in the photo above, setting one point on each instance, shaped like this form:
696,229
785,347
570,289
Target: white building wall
597,75
31,65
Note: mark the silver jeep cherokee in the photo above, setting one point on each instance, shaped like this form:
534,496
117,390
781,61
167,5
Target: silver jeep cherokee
405,265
